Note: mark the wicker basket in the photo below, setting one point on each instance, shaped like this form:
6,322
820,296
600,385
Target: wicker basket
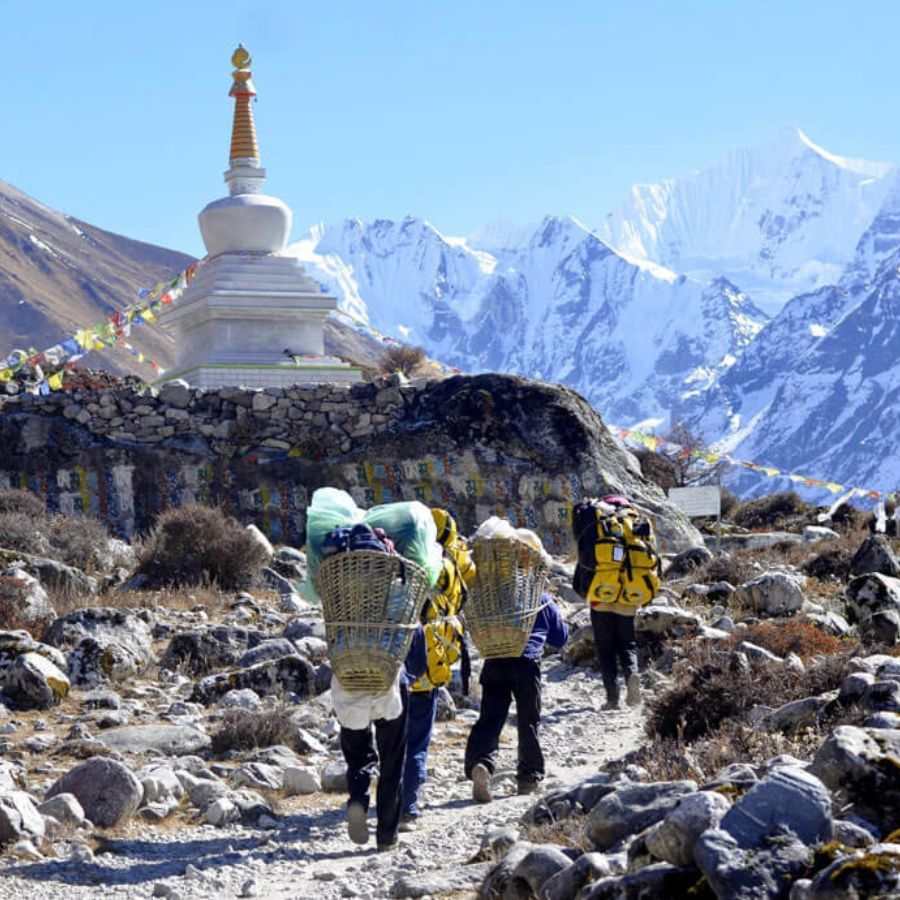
505,596
370,599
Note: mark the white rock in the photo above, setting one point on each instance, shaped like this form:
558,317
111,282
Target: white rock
301,780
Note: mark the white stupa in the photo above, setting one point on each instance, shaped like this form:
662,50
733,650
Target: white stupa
251,316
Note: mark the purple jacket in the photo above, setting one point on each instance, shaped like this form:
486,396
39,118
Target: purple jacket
549,628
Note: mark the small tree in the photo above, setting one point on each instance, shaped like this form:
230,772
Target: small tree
402,358
688,466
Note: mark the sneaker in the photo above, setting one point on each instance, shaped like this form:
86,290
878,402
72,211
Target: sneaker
408,823
386,848
357,824
611,704
481,783
527,787
633,691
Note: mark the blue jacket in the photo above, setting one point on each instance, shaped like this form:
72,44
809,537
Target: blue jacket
416,663
549,628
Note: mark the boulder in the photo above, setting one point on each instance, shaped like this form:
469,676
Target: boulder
27,596
577,799
33,682
310,624
168,740
668,621
580,649
499,880
103,643
739,873
159,783
861,763
881,696
60,578
262,540
565,884
289,674
688,560
632,808
787,799
875,873
19,818
334,777
875,554
537,866
267,650
258,775
107,790
65,808
872,603
795,715
772,593
208,648
291,563
656,880
15,643
673,839
301,780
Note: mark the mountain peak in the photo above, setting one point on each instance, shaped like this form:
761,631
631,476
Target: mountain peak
796,137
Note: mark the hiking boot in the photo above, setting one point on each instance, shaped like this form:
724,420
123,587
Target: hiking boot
611,704
386,848
357,826
527,787
481,783
408,823
633,690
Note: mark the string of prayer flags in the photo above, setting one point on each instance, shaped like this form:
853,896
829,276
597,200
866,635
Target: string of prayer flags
111,332
652,442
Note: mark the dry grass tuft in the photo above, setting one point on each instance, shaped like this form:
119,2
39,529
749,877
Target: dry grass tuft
735,568
245,729
200,545
714,685
403,358
779,512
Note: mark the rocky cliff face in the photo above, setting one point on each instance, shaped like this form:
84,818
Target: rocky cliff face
479,445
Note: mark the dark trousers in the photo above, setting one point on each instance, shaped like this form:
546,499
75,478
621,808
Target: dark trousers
501,681
616,648
422,710
365,762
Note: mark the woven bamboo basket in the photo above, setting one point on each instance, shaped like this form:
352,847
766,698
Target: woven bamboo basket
505,596
371,602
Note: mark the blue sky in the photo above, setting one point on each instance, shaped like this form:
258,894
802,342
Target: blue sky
461,112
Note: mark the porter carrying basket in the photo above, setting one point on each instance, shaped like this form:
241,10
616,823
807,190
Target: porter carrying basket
505,596
371,602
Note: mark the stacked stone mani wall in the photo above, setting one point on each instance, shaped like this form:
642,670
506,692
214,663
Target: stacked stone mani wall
126,454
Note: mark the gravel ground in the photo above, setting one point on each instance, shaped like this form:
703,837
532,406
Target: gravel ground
308,855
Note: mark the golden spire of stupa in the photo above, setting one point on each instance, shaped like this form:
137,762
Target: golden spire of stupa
243,131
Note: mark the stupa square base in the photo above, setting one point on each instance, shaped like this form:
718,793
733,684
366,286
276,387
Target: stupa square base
260,376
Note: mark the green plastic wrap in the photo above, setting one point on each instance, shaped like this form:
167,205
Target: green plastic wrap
330,508
411,527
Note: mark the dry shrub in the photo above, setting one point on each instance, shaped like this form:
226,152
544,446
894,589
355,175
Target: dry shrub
200,545
657,468
246,729
775,511
77,542
798,636
24,532
735,568
714,685
566,832
14,501
402,358
832,562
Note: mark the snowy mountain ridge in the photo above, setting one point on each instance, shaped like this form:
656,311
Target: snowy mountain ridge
778,219
561,306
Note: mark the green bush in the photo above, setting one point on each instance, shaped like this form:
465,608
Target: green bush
200,545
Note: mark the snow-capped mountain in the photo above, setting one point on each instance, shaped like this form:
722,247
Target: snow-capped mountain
778,219
554,302
834,411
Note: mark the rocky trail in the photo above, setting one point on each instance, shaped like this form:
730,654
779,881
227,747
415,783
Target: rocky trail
308,854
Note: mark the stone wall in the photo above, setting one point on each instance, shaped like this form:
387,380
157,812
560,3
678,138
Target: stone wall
478,445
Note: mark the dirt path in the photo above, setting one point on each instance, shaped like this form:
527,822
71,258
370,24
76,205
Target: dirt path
309,854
